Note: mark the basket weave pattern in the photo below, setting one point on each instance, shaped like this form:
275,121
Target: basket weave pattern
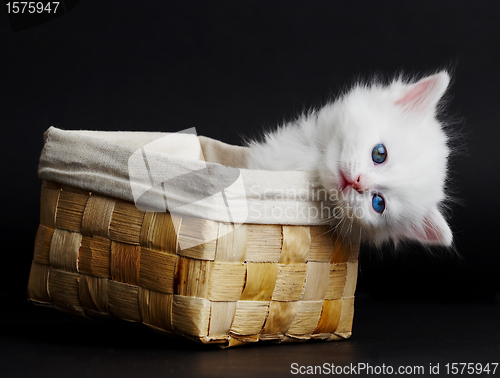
100,257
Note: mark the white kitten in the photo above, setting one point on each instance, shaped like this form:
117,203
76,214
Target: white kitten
381,150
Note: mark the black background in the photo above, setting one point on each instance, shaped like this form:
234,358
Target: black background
231,69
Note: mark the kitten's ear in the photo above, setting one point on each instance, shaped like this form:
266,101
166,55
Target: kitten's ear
433,230
424,94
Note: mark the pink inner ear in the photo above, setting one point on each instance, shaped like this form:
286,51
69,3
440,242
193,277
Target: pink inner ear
432,232
415,97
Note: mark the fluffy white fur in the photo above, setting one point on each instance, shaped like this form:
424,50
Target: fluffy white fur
340,137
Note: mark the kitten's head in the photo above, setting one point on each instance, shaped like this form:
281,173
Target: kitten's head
386,159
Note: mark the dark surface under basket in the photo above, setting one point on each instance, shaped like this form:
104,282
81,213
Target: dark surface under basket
53,344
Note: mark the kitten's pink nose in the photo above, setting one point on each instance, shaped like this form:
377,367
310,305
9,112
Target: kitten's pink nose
360,184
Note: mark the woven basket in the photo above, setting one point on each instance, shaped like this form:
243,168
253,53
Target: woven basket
98,256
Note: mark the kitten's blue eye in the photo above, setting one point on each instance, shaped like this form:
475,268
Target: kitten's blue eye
378,203
379,154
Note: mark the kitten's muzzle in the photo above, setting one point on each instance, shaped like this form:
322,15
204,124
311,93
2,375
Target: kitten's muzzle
361,184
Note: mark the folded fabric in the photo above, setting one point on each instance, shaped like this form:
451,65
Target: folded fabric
181,173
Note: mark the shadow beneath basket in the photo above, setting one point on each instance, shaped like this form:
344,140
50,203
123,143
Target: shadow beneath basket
397,334
32,323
